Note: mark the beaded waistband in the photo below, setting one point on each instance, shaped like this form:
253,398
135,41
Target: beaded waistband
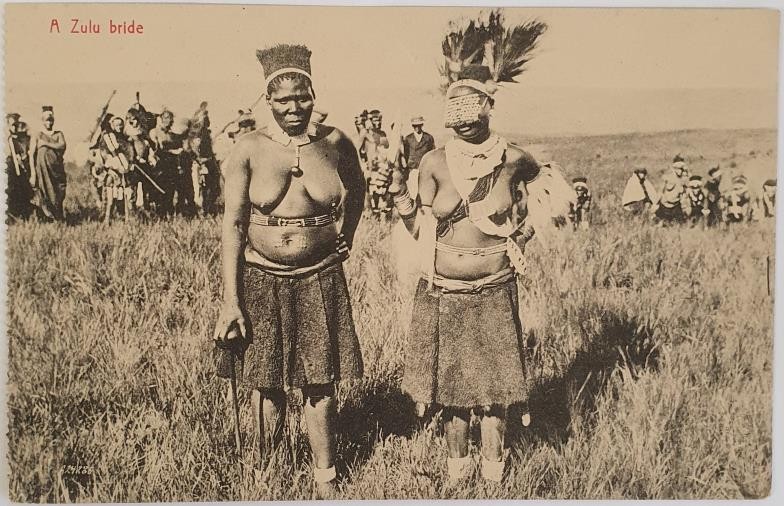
309,221
490,250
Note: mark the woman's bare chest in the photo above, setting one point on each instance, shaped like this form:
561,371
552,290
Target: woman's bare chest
288,172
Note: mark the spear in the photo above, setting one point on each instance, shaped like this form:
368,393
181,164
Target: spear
150,179
101,116
13,153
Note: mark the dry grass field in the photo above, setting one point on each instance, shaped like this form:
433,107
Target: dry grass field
650,356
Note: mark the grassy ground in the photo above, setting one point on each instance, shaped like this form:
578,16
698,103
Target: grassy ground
650,357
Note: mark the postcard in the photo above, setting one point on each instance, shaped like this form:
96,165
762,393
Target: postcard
262,252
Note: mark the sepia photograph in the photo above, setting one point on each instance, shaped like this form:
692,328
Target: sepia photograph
293,253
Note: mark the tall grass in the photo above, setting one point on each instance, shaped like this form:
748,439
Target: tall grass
650,356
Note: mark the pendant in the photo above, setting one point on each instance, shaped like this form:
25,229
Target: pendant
296,171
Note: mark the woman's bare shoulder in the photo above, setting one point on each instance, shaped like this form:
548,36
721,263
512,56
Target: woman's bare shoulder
257,140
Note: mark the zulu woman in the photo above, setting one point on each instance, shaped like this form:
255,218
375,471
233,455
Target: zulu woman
294,193
465,341
48,175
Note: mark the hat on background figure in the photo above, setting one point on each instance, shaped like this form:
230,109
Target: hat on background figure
580,182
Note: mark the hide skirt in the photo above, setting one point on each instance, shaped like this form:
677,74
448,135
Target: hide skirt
466,349
300,331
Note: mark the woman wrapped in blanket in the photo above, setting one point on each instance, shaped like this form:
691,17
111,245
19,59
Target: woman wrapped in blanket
294,193
466,342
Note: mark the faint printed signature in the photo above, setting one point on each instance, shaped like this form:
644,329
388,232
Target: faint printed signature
78,470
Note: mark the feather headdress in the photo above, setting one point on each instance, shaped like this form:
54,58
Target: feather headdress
488,41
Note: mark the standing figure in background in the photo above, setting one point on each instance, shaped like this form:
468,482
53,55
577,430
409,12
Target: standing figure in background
698,203
580,212
713,196
673,204
19,191
48,177
246,124
204,172
121,180
145,158
95,163
224,143
738,201
376,144
416,145
639,195
168,150
768,201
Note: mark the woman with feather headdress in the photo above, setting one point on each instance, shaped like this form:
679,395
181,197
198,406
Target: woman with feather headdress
475,211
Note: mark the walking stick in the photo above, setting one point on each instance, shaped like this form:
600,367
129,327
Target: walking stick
236,406
228,345
767,264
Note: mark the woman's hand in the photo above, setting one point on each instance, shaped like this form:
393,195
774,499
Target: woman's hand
230,319
398,180
342,246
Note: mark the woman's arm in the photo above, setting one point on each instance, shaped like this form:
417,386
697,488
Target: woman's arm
233,239
408,208
354,182
57,143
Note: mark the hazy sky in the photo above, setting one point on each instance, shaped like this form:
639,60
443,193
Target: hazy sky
650,48
361,52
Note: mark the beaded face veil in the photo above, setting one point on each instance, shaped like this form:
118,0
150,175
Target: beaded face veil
464,110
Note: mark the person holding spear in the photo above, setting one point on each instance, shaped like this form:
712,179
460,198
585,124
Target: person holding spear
294,193
19,190
145,156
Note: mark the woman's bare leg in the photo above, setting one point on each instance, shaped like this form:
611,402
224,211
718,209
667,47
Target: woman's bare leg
493,427
320,417
456,427
269,412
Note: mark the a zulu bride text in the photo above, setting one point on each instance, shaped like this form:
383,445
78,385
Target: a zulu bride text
80,26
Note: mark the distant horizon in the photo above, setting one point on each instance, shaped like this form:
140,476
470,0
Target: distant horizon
595,71
561,111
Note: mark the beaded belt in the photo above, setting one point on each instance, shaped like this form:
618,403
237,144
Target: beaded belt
491,250
274,221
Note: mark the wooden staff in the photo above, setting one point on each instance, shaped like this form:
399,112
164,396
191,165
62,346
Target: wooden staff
236,406
227,344
767,264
